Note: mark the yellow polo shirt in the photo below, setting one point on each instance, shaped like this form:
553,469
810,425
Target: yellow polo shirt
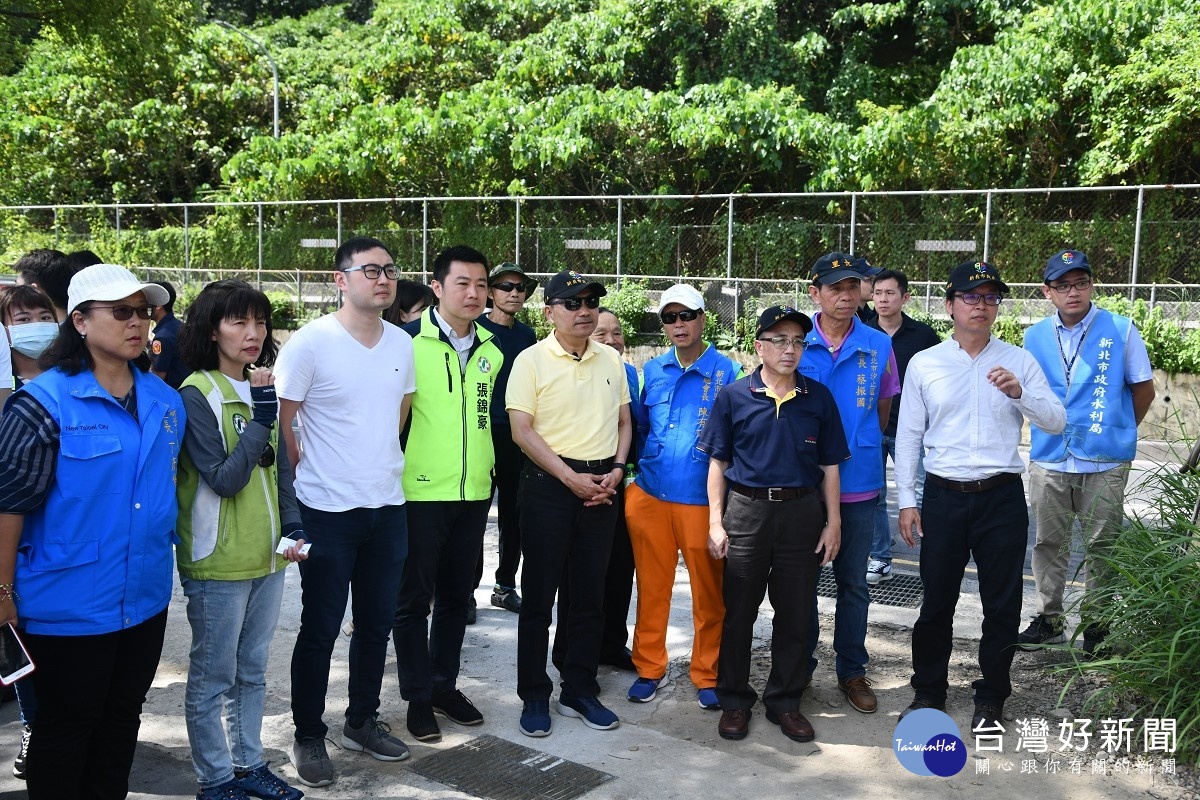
575,405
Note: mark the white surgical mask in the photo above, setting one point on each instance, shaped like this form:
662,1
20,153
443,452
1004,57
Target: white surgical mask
33,338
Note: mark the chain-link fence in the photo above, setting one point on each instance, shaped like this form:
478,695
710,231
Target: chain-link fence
746,250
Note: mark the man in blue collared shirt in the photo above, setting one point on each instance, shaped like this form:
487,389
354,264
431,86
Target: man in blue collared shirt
666,509
1082,471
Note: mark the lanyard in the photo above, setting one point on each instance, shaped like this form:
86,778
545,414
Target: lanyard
1069,365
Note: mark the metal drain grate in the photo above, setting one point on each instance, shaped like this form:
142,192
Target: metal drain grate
904,590
497,769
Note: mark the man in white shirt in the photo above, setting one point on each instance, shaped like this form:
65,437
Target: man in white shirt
1097,365
348,377
964,401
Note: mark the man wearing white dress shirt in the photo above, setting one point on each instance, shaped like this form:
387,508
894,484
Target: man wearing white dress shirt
964,401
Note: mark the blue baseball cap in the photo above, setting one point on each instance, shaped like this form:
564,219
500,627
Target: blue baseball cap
1063,262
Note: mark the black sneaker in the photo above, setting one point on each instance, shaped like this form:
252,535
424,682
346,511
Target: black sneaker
1041,630
455,706
987,718
472,611
421,722
506,598
923,702
19,761
1093,637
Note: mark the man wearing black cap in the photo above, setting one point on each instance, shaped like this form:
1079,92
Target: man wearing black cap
568,404
964,400
508,289
868,273
856,362
774,441
1097,365
166,363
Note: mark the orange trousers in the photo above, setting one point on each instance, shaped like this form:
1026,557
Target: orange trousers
660,531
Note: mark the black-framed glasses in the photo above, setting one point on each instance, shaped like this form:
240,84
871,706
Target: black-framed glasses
125,313
783,342
973,298
372,271
576,303
669,317
509,286
1081,286
267,459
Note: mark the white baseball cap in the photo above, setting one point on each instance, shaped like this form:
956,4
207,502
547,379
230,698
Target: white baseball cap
683,294
110,282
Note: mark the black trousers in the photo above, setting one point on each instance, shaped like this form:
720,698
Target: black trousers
618,593
90,692
510,460
559,533
993,527
772,548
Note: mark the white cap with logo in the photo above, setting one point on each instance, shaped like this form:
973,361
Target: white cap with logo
110,282
685,295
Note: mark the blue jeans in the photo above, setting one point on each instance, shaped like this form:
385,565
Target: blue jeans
881,544
366,548
850,619
232,626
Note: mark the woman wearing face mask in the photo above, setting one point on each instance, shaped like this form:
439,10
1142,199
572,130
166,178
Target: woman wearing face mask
27,314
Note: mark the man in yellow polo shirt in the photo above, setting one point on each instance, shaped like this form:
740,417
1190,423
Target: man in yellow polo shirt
568,405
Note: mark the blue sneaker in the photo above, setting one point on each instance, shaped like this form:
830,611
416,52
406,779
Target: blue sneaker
535,718
589,709
644,689
263,783
708,699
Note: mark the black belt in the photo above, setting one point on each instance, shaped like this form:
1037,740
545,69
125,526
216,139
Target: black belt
597,466
775,494
971,487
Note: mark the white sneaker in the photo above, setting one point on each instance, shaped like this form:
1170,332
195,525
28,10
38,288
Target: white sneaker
878,571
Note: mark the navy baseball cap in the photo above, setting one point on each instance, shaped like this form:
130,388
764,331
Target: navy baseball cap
777,314
832,268
969,274
1063,262
866,268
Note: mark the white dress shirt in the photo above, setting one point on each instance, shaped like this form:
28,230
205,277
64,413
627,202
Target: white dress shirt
970,429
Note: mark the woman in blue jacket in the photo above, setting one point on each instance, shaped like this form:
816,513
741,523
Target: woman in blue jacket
88,452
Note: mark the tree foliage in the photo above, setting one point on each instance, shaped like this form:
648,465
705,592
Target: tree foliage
467,97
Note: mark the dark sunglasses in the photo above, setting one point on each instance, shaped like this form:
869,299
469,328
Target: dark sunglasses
509,286
575,303
267,459
669,317
125,313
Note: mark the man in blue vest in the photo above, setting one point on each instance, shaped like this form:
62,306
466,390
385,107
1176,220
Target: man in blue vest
1097,365
856,362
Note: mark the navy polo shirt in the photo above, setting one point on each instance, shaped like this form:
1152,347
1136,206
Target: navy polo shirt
769,449
164,351
511,341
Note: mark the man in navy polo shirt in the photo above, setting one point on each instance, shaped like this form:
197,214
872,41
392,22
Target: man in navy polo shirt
774,440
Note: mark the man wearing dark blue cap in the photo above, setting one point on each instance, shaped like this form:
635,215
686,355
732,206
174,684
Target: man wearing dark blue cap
1097,365
775,442
965,401
868,273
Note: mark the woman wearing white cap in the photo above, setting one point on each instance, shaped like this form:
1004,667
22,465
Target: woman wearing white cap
88,453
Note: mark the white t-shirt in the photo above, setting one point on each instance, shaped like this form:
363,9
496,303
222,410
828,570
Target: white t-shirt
350,398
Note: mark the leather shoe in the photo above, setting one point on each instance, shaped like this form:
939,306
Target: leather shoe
858,692
793,725
622,659
987,719
734,724
920,702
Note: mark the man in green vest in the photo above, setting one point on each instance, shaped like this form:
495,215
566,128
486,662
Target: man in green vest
448,484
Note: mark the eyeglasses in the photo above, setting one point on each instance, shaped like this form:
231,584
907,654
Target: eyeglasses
267,459
669,317
972,298
575,303
372,271
509,286
783,342
1063,288
125,313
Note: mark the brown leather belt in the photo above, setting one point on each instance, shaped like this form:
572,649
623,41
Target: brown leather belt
774,494
971,487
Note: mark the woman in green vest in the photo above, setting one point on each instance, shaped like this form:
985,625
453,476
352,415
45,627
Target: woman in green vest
236,504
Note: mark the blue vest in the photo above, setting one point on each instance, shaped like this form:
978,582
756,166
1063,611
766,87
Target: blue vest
676,404
1100,420
96,557
854,380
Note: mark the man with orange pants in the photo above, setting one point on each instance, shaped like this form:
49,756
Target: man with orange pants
666,508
